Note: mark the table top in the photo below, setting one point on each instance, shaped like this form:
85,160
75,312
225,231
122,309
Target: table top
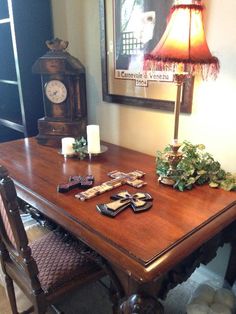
144,245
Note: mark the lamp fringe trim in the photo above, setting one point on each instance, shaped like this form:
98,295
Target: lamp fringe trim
199,7
207,68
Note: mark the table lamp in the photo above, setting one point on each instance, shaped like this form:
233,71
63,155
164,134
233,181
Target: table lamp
184,49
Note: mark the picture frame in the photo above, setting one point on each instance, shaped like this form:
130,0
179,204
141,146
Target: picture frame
127,85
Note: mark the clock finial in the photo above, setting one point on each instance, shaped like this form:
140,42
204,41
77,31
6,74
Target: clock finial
57,44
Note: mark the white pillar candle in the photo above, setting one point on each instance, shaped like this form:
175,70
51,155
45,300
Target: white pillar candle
67,145
93,139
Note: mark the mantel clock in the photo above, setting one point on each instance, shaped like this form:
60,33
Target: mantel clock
64,94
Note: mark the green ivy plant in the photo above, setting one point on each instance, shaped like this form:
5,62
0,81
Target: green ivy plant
79,147
196,167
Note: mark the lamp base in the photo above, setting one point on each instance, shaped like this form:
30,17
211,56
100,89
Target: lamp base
173,157
166,180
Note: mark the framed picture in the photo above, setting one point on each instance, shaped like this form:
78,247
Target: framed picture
129,30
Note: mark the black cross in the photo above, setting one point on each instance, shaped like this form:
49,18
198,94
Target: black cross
83,182
139,202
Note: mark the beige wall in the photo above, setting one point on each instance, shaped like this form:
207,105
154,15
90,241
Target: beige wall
213,120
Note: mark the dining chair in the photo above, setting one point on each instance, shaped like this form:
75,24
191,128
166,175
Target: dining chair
45,269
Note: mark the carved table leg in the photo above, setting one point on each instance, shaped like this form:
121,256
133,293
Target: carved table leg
141,304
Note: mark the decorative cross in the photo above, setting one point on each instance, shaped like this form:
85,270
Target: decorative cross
119,178
76,182
139,202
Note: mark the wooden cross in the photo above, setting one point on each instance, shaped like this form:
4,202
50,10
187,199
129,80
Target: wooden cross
139,202
118,178
76,182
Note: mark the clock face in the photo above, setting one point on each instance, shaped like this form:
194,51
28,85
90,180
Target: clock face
56,91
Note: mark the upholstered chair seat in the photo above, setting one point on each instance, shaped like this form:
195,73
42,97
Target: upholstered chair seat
59,262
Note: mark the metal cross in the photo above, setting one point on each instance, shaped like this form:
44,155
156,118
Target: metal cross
139,202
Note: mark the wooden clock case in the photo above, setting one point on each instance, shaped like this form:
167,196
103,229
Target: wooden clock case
69,117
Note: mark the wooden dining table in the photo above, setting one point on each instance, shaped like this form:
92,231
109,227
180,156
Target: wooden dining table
148,252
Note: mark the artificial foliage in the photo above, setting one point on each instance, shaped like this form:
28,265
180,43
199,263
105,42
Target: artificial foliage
79,147
196,167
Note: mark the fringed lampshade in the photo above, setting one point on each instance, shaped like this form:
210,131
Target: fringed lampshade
184,49
184,42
